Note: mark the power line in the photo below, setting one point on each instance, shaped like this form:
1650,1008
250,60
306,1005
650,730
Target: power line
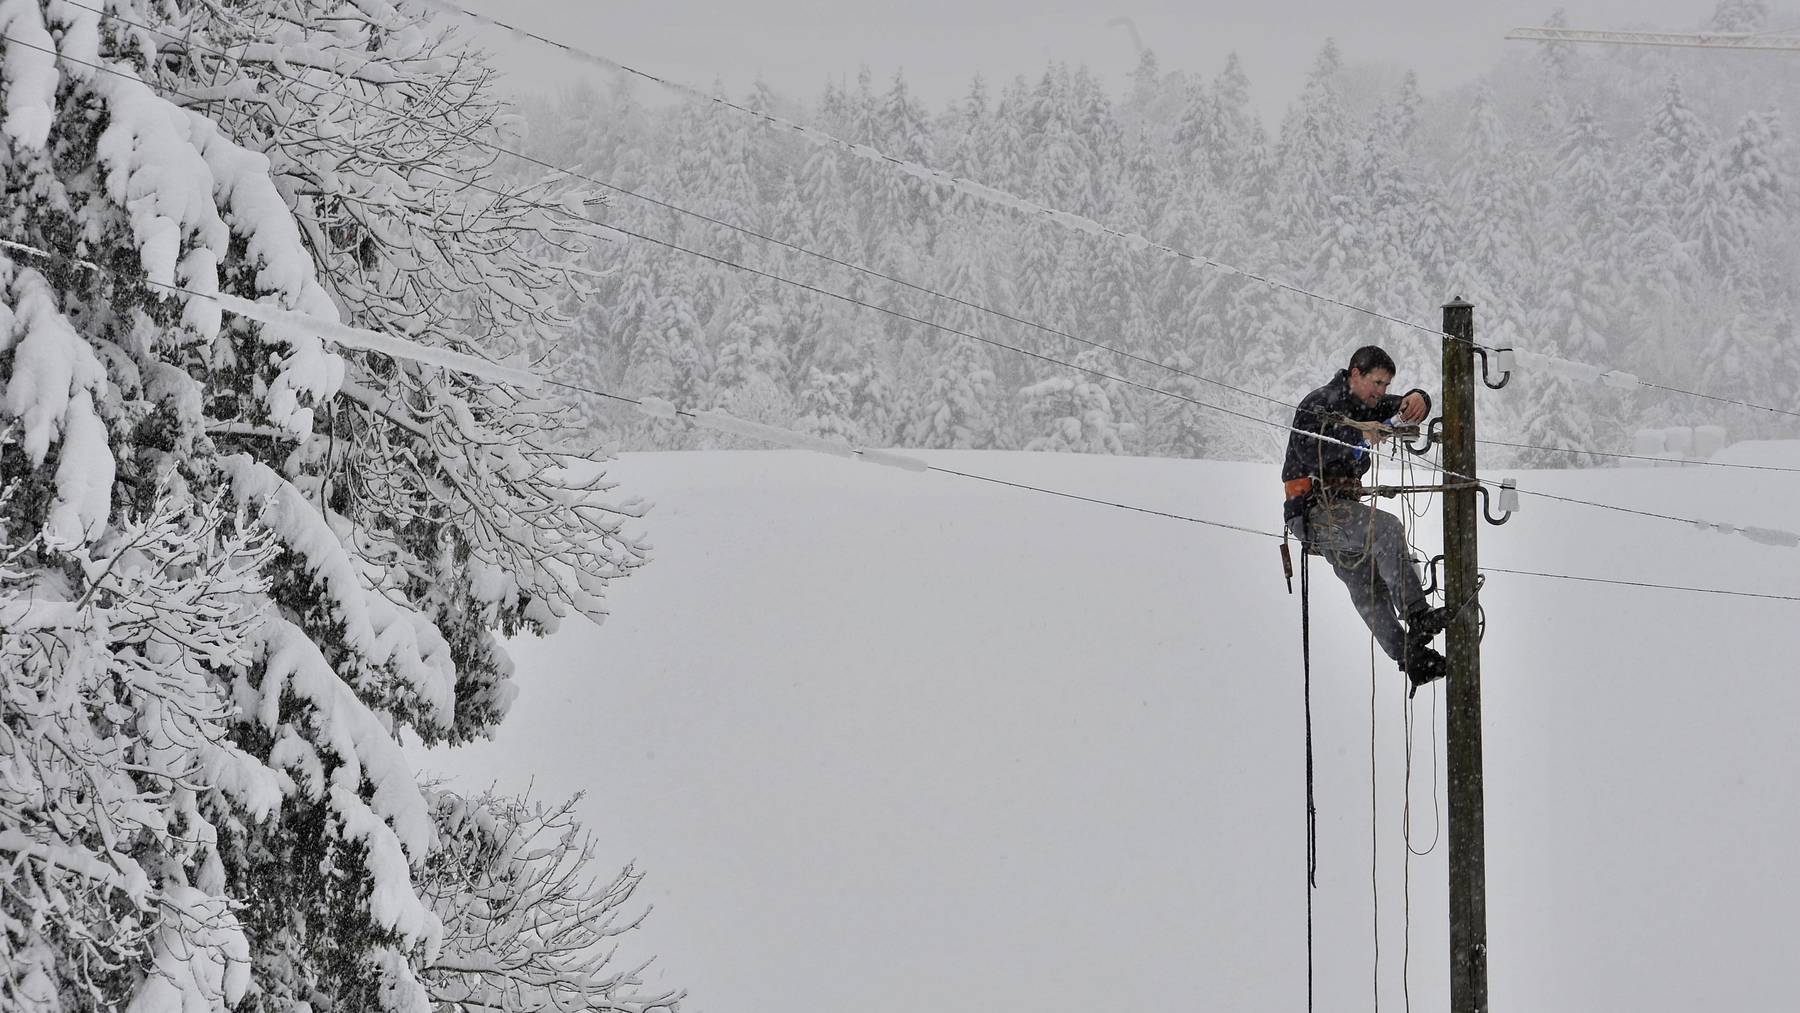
1005,199
1685,521
1579,451
1773,537
798,439
1643,583
1766,41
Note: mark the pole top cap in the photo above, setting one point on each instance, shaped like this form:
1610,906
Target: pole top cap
1459,303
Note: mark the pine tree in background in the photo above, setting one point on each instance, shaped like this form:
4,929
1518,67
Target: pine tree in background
1759,172
960,398
1064,414
1312,155
1665,169
1739,16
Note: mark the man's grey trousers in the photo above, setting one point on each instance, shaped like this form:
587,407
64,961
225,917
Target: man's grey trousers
1367,547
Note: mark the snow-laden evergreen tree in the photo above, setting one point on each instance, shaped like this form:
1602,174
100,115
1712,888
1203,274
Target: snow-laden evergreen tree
237,563
1495,247
1313,154
1666,166
1010,151
958,407
750,378
1739,16
1069,414
1556,58
1759,167
1061,159
969,138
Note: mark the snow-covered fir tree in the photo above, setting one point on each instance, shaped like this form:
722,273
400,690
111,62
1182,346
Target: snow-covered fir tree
238,562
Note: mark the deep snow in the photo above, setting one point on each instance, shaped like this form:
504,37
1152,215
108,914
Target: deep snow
886,741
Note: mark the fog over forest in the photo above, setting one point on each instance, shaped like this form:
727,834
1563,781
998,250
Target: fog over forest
1631,209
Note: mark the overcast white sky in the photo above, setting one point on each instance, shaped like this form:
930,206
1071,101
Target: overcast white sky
942,44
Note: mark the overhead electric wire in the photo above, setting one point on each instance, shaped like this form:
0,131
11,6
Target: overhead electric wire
14,245
1642,583
900,314
574,173
555,209
1026,487
1003,198
1682,462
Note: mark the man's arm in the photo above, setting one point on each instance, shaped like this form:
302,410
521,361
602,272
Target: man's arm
1412,407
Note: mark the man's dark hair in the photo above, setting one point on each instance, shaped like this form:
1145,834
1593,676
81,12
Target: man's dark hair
1369,358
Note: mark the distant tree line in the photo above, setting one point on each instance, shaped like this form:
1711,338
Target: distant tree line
1630,209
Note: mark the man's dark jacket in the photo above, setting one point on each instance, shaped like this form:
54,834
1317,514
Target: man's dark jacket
1324,411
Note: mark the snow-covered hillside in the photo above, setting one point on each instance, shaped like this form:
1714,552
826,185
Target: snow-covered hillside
888,741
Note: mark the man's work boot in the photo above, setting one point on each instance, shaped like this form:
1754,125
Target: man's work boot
1423,665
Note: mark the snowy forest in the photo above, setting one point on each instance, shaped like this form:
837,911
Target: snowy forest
1632,210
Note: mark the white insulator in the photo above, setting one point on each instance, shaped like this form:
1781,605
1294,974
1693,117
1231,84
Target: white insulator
1509,495
1619,378
891,460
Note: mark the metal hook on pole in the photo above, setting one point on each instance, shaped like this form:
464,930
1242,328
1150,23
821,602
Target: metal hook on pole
1431,572
1508,498
1433,433
1503,361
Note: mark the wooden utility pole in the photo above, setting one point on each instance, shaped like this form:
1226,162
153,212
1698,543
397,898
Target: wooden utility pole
1468,853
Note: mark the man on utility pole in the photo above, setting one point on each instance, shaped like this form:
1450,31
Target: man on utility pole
1328,452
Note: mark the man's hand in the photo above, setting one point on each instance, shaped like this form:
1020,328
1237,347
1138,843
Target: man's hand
1412,408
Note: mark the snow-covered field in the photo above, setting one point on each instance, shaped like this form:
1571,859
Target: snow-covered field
887,741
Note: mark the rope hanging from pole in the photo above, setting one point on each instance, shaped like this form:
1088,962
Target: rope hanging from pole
1312,812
